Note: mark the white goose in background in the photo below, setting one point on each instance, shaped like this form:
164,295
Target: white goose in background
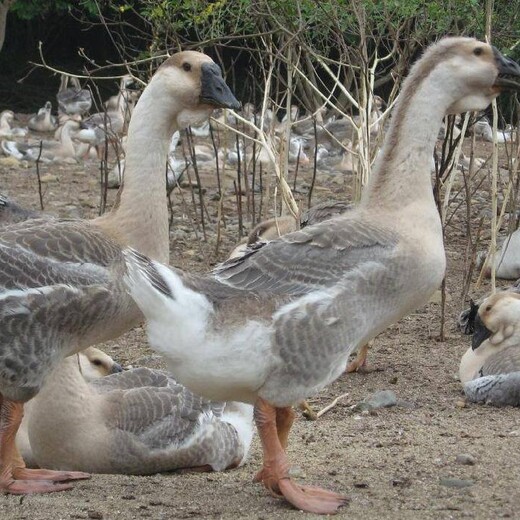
139,421
51,151
278,324
490,368
73,100
484,130
90,364
43,121
61,280
507,258
6,130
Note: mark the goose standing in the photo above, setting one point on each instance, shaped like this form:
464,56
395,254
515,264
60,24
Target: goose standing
490,368
90,364
74,99
278,324
139,422
61,283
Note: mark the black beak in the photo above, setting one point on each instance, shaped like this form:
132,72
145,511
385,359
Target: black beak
214,91
508,72
116,368
481,333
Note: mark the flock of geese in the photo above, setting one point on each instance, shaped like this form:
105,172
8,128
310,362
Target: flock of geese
260,333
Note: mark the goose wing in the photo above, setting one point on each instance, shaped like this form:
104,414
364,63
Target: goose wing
503,362
498,390
152,408
314,257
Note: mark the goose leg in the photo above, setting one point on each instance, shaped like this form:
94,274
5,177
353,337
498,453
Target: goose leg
273,428
15,478
361,359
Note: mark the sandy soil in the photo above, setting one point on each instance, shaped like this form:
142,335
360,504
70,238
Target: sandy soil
391,463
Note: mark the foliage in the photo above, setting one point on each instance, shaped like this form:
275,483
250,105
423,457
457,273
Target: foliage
28,9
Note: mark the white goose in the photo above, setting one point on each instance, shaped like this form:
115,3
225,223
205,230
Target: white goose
43,121
6,130
278,324
138,421
74,99
490,368
46,151
60,280
91,364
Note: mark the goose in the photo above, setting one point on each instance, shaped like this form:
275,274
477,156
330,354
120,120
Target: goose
61,284
139,421
73,100
11,212
128,90
90,364
6,119
490,369
483,129
43,121
48,151
277,325
507,258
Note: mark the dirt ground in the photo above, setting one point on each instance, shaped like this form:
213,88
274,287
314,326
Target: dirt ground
393,463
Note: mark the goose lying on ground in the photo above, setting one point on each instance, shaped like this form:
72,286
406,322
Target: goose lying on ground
278,324
484,130
43,121
6,119
61,280
490,368
507,258
46,151
138,422
90,364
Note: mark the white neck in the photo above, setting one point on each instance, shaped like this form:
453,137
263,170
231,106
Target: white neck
140,219
402,171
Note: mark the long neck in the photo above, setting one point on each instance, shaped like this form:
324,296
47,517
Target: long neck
65,380
66,141
140,218
402,173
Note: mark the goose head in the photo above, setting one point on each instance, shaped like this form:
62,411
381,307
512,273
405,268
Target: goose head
94,363
472,71
497,321
195,81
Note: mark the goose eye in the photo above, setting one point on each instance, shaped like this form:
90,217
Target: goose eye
97,362
186,66
488,307
478,51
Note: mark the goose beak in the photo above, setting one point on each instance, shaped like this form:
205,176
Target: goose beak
116,368
214,90
481,333
508,72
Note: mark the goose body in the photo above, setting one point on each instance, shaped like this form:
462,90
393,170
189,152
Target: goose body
11,212
6,130
490,368
91,364
43,121
139,421
61,287
278,324
74,99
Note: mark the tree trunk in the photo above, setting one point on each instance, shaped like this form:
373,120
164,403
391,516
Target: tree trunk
4,8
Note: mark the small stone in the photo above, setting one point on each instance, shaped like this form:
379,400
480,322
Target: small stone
128,497
460,403
48,178
457,483
393,380
381,399
95,515
465,459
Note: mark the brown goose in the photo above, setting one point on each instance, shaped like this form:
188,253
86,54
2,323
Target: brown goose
277,325
61,284
139,421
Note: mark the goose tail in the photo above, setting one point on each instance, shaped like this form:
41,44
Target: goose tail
170,307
